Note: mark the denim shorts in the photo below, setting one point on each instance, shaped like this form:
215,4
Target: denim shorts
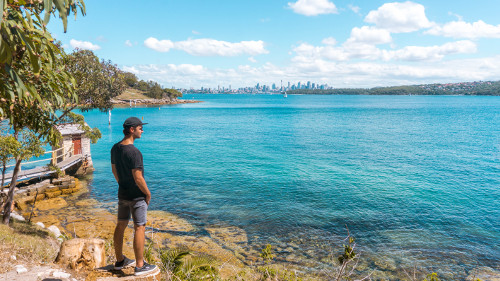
137,208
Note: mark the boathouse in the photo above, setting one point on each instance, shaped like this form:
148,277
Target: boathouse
73,142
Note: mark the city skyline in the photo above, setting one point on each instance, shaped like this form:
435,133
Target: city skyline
349,44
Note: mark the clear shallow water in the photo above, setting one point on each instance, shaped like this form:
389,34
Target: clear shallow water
415,178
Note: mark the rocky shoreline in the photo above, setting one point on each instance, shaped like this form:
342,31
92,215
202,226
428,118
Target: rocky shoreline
65,204
65,207
134,102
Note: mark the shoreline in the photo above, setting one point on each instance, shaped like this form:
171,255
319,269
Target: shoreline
79,215
135,102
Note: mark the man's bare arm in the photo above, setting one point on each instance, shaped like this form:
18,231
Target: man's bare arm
141,183
115,173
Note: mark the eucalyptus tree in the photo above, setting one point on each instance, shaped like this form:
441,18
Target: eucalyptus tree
36,90
23,145
97,82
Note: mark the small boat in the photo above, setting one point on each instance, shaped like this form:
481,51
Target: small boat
285,95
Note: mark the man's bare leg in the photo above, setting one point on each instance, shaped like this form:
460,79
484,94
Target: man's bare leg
121,225
139,241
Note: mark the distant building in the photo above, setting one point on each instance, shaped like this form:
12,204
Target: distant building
73,142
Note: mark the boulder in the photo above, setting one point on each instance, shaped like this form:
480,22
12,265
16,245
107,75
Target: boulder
82,253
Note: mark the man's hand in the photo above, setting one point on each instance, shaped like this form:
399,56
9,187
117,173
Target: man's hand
115,173
141,183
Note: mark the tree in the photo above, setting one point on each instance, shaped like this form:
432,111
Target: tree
155,90
96,81
35,88
142,86
130,79
26,145
172,93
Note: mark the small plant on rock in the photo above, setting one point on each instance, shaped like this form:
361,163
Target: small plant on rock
180,264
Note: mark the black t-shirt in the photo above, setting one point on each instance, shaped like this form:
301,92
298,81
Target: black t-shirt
126,158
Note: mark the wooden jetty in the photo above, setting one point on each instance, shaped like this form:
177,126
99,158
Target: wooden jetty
74,152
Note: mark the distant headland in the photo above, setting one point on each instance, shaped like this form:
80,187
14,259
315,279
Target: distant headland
477,88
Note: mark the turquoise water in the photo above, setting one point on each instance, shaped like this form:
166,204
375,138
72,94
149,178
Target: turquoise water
415,178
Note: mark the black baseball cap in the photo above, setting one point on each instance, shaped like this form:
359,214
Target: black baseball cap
133,122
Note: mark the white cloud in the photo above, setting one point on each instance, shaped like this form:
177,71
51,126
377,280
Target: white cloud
462,29
211,47
84,45
369,35
208,47
337,74
195,32
399,17
368,51
128,43
329,41
417,53
355,9
252,59
157,45
313,7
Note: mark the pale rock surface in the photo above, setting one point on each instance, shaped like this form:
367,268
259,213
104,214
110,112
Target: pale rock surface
61,274
36,273
20,269
55,230
17,216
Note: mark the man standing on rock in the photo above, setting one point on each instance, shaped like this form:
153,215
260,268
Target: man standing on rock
133,195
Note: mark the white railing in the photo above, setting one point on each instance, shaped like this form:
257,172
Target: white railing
54,156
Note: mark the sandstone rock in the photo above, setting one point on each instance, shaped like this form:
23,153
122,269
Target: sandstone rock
20,205
166,221
28,214
47,220
53,194
54,203
98,228
485,273
228,235
86,202
52,189
82,253
204,245
67,191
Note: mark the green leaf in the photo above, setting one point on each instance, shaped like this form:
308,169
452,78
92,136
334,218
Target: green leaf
21,89
2,6
35,63
48,10
61,8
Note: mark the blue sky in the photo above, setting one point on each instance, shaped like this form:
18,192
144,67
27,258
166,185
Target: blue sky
203,43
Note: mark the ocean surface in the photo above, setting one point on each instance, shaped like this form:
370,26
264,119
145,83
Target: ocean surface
416,179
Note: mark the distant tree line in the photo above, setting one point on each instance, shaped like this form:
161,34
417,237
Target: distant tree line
468,88
150,88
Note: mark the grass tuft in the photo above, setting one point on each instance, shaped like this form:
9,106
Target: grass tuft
28,243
